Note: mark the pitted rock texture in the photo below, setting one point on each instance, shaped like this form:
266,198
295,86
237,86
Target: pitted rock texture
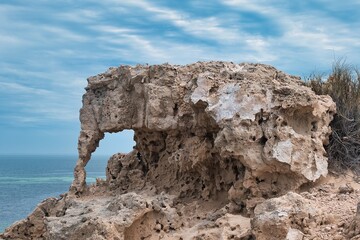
214,141
318,212
219,125
281,218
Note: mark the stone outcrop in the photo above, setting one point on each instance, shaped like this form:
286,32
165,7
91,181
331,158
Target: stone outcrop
213,141
240,126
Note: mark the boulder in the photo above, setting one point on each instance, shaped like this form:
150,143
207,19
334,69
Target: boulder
282,218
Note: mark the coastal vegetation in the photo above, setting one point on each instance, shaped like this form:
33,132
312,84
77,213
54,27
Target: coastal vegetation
343,85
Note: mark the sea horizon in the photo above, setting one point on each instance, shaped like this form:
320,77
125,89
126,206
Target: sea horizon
28,179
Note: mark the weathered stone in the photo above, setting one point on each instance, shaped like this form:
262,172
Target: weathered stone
275,218
346,189
353,229
235,116
213,140
294,234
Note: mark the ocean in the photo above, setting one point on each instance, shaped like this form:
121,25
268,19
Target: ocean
27,180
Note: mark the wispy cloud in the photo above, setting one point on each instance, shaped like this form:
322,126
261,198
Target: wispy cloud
320,27
259,6
209,27
19,88
83,16
37,105
61,33
312,31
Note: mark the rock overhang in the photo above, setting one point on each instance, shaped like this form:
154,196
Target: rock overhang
207,113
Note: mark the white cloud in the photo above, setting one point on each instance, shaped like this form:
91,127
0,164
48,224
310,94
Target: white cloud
10,40
139,45
60,33
259,6
112,29
340,5
315,31
209,28
83,16
19,88
231,39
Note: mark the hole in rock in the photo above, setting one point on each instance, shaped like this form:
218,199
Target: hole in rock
176,109
258,180
263,140
121,142
314,126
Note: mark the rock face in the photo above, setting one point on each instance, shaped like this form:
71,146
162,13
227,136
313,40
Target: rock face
213,140
219,124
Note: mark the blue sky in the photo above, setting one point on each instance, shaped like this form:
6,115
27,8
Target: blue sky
48,48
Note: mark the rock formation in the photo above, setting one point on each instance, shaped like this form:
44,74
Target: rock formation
214,140
282,217
219,124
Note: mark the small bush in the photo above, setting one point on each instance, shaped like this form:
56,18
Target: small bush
343,85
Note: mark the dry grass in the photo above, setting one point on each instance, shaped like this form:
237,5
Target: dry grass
343,85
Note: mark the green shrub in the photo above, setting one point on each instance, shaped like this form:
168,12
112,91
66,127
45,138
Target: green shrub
343,85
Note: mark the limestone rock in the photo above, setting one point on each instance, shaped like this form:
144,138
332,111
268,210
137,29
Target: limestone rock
217,121
294,234
214,140
234,226
281,218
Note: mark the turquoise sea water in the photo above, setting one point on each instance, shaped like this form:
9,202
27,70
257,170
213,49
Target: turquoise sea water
27,180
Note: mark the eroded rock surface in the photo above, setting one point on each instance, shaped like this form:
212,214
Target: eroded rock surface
213,141
215,123
281,218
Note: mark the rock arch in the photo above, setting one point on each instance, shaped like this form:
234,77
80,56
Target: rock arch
251,121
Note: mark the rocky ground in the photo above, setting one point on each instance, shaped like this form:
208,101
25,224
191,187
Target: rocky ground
324,210
223,151
336,197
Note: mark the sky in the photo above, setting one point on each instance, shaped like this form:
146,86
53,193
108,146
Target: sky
48,48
